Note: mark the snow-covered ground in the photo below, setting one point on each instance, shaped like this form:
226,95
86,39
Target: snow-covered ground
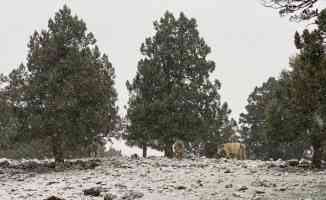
165,179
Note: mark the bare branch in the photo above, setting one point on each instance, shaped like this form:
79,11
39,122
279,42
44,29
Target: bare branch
301,9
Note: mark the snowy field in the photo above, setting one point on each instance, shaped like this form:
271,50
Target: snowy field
161,178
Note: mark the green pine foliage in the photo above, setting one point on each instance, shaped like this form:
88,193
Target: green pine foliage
269,127
286,115
65,93
308,84
172,96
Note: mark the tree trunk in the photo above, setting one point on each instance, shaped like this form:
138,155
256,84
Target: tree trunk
168,152
316,159
57,150
144,150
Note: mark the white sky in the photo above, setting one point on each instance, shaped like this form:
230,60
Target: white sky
249,42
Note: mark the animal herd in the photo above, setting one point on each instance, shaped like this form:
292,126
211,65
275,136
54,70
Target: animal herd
228,150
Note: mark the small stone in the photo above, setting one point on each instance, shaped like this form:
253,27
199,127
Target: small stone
228,186
293,162
53,198
51,183
242,188
304,163
135,156
236,194
131,195
259,192
95,191
4,164
180,187
227,171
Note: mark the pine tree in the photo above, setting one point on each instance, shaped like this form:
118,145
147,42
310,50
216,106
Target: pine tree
66,91
171,96
270,128
308,84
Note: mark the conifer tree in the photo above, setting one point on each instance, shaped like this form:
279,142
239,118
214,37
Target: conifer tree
172,97
66,89
308,84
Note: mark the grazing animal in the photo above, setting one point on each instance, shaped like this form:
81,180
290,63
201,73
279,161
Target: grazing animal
178,149
233,150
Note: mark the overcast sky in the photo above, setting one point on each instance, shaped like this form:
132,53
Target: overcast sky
249,42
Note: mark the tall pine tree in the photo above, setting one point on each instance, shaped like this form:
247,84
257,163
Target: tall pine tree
171,96
66,90
308,84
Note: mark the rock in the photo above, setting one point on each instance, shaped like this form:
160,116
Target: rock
237,194
293,162
121,186
227,171
4,164
242,188
109,196
282,189
94,191
68,188
200,183
29,165
259,192
304,163
244,166
228,186
93,163
53,198
131,195
52,182
262,183
134,156
283,165
181,187
279,163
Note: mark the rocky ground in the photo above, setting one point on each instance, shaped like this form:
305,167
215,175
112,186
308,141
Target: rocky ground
160,178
